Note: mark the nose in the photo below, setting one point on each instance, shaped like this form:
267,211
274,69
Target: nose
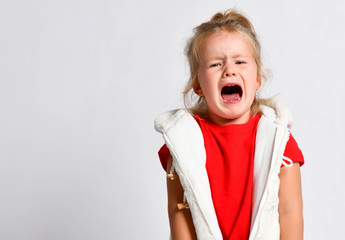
229,71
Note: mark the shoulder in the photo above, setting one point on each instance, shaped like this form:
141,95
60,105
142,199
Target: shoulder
171,118
277,112
293,152
163,155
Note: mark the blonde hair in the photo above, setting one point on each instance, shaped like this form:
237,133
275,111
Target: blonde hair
231,21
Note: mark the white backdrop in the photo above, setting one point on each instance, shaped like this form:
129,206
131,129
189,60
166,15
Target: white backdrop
82,81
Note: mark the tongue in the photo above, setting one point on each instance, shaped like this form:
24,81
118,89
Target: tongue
231,97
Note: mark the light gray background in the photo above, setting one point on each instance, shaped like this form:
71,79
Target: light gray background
82,81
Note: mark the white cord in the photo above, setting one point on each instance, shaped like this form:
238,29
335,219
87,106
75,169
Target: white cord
286,159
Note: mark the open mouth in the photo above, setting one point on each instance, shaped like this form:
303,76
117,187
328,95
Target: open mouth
231,93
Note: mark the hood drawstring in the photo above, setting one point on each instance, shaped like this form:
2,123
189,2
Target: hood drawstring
172,175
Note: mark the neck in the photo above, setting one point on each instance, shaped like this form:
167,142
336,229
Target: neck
226,121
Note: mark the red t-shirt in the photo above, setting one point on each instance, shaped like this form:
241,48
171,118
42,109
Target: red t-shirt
229,164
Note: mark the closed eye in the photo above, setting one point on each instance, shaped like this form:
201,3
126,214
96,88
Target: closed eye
215,65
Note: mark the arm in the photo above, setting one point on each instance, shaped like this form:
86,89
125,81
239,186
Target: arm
290,203
181,224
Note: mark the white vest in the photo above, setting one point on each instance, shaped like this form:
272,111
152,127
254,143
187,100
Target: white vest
184,139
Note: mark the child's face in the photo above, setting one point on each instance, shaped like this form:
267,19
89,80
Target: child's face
228,77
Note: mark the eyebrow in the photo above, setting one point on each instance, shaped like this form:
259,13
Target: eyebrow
222,57
219,57
239,55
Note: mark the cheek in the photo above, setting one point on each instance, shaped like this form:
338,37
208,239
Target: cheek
203,80
200,77
255,80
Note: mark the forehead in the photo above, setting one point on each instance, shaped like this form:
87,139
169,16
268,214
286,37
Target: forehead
226,43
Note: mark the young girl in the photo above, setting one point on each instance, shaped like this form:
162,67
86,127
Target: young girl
233,166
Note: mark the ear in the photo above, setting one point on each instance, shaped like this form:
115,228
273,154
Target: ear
198,91
258,81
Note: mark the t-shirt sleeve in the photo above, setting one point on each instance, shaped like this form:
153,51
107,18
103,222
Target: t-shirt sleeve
293,152
164,154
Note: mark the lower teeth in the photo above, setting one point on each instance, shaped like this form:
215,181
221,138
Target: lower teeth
238,99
